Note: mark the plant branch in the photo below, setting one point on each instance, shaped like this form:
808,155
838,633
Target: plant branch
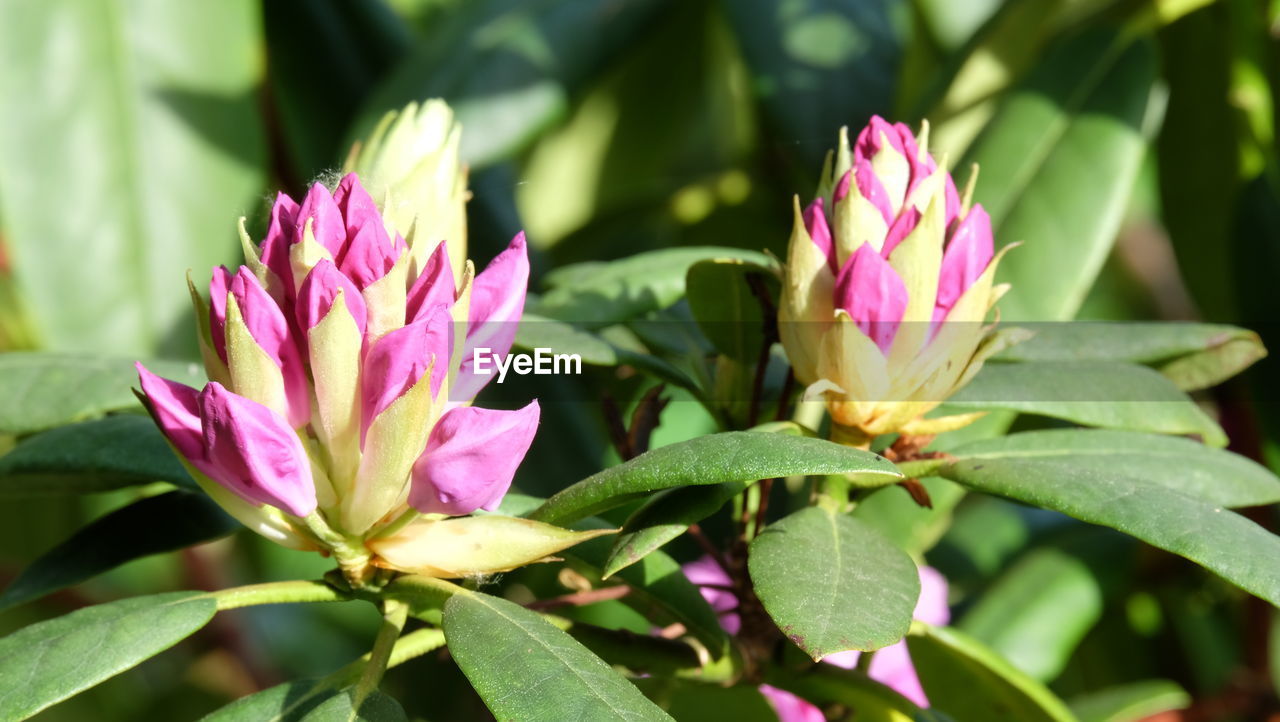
394,614
278,593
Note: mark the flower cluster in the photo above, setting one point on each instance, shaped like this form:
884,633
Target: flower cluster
889,280
339,362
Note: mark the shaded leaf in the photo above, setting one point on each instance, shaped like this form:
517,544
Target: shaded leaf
832,584
163,523
156,145
110,453
665,517
1131,702
1058,161
727,311
42,390
525,668
49,661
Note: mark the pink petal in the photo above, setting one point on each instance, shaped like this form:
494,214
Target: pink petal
368,255
357,207
270,329
433,287
871,189
965,258
176,410
815,223
901,228
470,459
847,659
871,138
497,303
327,224
842,187
219,286
318,291
713,583
789,707
892,667
873,295
260,456
282,232
932,607
399,359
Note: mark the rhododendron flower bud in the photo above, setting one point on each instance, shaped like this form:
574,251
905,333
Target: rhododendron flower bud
339,402
410,165
889,283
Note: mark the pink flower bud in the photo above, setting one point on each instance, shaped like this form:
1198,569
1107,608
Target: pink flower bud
471,458
317,294
397,361
873,295
497,303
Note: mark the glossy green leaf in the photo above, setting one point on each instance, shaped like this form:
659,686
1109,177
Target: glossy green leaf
508,67
1111,395
727,311
599,293
1223,542
1192,355
821,64
525,668
714,459
317,94
1037,611
49,661
156,145
42,390
665,517
110,453
832,584
972,684
660,590
163,523
1213,475
1131,702
1058,161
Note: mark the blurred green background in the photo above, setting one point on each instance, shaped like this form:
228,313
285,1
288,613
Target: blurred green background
1129,143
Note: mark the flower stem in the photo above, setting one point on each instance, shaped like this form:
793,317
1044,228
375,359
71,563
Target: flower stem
394,614
351,555
277,593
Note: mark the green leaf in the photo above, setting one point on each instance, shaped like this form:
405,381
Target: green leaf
341,707
695,702
821,64
713,459
725,308
1108,394
508,68
972,684
660,590
157,145
39,391
50,661
602,293
1213,475
832,584
525,668
110,453
163,523
561,337
1225,543
1192,355
1058,161
663,518
1131,702
1036,613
